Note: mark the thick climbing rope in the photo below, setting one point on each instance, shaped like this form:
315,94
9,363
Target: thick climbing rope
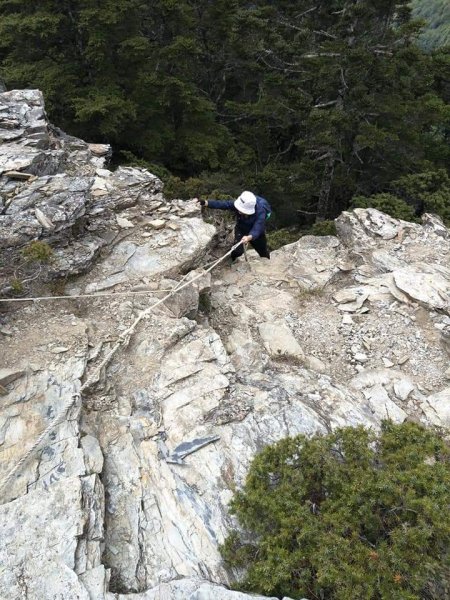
123,338
103,294
76,296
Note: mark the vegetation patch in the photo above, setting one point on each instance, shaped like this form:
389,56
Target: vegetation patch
324,228
436,15
387,203
282,237
37,251
347,515
16,286
412,195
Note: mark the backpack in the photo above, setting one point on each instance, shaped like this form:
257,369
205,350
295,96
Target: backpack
263,202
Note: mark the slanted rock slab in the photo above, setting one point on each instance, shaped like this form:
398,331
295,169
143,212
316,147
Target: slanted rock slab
428,284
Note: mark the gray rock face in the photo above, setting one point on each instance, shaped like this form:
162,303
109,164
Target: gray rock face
128,497
69,201
134,260
23,118
42,533
191,589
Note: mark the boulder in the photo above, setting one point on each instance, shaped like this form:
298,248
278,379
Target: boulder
437,408
61,198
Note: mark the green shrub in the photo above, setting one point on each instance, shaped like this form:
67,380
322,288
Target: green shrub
324,228
37,251
387,203
282,237
422,192
429,191
17,286
194,187
349,515
174,187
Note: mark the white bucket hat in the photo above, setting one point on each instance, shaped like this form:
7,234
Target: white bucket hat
246,203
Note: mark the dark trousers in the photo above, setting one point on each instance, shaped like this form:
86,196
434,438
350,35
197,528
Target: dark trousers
260,245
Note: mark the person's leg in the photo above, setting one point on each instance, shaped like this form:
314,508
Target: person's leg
239,251
260,245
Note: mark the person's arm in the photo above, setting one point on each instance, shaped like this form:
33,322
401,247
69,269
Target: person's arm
259,226
216,204
229,205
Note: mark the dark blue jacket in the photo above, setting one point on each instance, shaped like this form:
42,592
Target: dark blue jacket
253,225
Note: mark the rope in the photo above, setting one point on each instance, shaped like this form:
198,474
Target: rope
122,339
75,296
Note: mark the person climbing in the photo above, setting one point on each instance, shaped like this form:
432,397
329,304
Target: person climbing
251,215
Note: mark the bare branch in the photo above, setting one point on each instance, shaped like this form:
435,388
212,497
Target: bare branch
344,83
292,26
386,52
306,12
285,66
325,104
306,212
397,508
281,152
320,54
326,34
355,152
324,156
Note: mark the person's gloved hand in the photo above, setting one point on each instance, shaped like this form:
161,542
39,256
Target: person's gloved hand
246,239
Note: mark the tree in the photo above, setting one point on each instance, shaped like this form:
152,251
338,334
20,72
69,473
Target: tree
362,92
347,515
121,72
74,51
36,42
307,103
436,14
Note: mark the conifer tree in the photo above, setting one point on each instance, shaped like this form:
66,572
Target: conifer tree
308,103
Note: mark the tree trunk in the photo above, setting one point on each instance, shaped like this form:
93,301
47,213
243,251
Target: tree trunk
324,206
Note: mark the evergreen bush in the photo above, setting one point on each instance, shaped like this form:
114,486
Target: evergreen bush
387,203
282,237
349,515
323,228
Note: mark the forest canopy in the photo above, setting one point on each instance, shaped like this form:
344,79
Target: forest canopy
309,104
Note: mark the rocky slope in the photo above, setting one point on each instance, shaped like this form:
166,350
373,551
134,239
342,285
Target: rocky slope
127,498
